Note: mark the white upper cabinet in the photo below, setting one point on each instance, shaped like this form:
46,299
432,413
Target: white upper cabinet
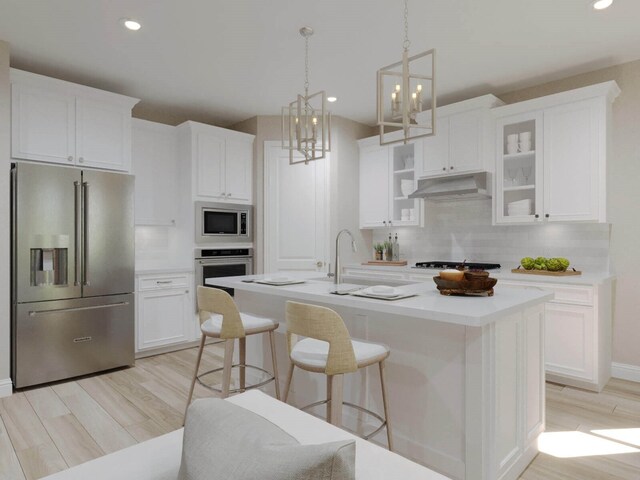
572,172
221,162
374,186
61,122
560,174
209,166
460,143
43,125
238,168
435,150
155,165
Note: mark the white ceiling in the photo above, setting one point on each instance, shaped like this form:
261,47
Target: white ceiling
225,61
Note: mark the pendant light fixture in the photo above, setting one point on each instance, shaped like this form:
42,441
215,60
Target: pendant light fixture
404,96
306,122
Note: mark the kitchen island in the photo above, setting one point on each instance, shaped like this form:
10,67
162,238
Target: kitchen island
465,375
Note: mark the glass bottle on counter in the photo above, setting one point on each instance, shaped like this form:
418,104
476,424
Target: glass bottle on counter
396,249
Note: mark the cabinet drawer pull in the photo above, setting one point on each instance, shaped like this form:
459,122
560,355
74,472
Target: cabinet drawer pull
161,282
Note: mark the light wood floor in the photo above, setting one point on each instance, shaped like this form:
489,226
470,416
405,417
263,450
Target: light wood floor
48,429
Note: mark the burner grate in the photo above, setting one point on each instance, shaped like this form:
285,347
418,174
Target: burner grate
438,265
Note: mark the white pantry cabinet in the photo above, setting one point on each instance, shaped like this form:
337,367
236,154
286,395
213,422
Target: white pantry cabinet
221,162
562,174
60,122
155,166
164,310
461,142
387,175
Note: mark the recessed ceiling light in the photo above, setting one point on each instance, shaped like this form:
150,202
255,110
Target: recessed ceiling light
331,99
601,4
131,24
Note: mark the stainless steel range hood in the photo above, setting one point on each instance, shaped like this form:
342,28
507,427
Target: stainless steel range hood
458,187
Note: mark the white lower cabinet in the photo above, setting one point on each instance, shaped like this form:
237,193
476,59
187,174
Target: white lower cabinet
577,335
164,310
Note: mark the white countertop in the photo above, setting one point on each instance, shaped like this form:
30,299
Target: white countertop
163,271
427,304
587,278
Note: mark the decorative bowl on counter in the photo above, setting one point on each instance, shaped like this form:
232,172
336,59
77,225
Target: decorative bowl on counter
474,284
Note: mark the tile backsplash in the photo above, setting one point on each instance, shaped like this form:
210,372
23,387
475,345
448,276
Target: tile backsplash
463,229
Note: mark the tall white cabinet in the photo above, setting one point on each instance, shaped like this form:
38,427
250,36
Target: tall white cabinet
561,175
60,122
156,167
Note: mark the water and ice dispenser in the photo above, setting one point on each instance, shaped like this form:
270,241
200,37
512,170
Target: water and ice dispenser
50,261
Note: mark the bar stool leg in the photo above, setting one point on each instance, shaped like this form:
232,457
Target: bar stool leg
287,385
195,375
243,361
228,363
272,341
329,398
385,403
337,392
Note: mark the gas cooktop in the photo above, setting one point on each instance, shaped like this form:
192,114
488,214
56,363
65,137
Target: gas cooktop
438,265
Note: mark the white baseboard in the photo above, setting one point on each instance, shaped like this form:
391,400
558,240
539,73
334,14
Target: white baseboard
625,372
6,387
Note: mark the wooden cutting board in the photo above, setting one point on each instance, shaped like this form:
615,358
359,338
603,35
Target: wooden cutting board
400,263
547,272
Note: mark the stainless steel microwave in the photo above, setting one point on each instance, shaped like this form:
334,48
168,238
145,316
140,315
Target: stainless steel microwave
223,223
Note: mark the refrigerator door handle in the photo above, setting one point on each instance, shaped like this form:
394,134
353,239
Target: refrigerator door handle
34,313
85,231
76,232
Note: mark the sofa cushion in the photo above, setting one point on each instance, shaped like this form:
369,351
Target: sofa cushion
225,441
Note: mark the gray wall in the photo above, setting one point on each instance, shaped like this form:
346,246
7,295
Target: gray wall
5,155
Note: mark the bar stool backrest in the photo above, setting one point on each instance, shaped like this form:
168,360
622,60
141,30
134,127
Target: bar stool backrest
323,324
214,300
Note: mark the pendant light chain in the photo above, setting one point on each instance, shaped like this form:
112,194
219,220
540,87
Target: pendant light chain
406,44
306,66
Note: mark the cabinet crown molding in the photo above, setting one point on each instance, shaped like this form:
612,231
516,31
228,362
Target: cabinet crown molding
62,86
609,90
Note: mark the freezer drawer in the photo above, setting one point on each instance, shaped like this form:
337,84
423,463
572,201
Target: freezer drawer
66,338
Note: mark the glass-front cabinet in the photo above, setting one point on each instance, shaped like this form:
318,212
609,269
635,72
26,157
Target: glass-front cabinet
388,175
519,172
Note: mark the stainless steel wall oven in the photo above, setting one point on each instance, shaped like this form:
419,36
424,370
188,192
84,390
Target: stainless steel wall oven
222,262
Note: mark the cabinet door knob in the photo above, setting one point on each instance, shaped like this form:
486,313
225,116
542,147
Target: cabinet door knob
450,168
223,194
70,158
390,223
384,221
319,263
81,159
537,216
546,215
228,194
444,169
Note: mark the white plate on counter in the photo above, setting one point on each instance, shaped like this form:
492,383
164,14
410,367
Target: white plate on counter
279,281
382,292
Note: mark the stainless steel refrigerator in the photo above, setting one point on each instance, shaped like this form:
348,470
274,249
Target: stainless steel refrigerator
72,272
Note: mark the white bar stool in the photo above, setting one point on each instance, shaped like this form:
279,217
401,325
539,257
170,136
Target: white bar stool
329,349
220,318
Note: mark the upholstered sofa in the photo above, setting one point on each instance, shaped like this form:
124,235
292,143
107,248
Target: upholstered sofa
159,458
